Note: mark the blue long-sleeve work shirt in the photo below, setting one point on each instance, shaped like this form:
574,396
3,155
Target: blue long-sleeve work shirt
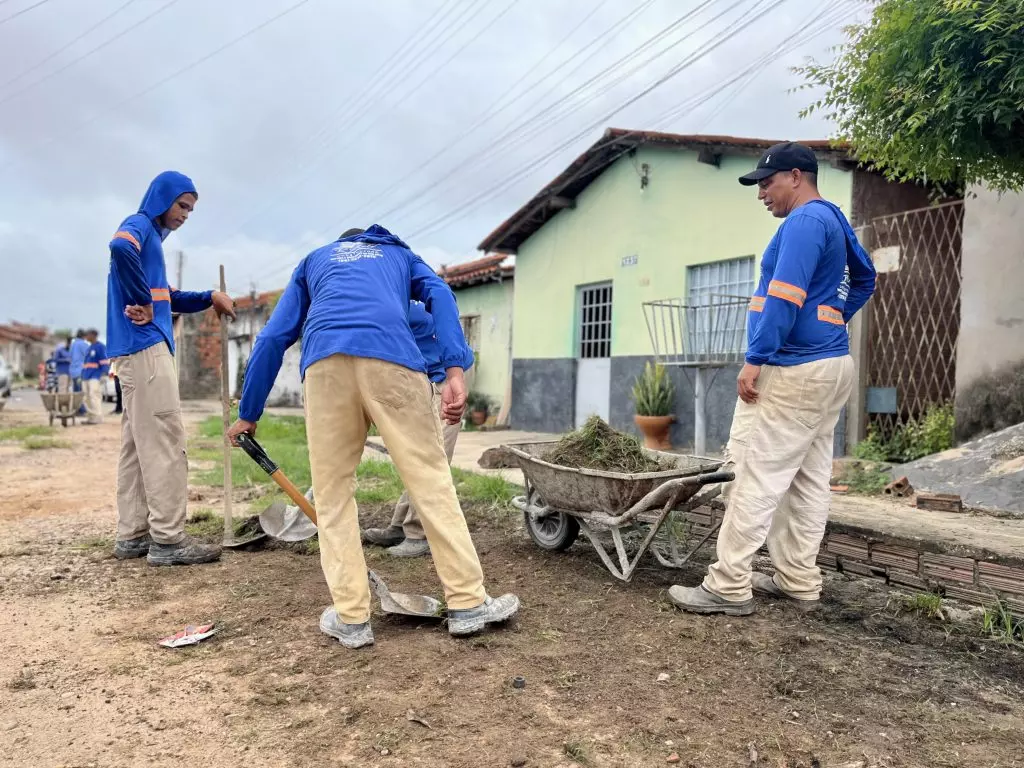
351,297
79,349
815,276
138,274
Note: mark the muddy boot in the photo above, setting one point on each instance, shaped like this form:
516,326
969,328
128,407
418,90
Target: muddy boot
410,548
764,584
384,537
491,611
188,551
349,635
126,549
699,600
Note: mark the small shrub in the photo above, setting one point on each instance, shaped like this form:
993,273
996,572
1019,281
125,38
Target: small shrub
653,392
478,402
931,433
1000,624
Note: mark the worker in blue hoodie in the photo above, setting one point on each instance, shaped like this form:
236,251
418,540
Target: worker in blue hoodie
798,375
62,362
95,369
404,536
152,474
349,301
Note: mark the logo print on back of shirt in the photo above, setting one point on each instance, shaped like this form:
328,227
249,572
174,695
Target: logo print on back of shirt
844,286
344,253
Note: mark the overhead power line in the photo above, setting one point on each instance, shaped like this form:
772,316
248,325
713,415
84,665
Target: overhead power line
16,14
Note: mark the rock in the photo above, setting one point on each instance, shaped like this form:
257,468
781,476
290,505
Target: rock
518,762
663,677
673,758
498,458
56,576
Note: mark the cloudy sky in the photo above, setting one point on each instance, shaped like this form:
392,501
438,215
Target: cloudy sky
296,120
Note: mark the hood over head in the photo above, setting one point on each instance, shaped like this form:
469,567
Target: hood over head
163,191
377,234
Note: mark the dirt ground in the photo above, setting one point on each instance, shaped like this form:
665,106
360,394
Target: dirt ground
614,675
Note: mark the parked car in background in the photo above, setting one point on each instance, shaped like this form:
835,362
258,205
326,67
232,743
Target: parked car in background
6,378
109,391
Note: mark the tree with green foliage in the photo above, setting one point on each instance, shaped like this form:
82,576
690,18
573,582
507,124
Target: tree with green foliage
932,90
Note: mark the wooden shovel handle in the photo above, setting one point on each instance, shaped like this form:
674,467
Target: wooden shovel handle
294,494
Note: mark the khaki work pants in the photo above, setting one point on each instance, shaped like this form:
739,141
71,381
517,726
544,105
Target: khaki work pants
94,400
63,383
782,449
405,513
343,395
152,472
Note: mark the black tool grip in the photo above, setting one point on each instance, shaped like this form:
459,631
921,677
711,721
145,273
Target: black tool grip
248,444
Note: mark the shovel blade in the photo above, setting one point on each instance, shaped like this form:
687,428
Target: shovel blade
405,605
287,523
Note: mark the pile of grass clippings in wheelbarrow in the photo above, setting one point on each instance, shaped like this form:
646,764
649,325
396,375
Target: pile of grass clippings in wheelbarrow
595,445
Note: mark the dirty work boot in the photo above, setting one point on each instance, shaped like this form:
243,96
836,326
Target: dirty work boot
384,537
349,635
764,584
126,549
188,551
491,611
700,600
410,548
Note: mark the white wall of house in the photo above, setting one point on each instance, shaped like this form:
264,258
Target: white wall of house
992,292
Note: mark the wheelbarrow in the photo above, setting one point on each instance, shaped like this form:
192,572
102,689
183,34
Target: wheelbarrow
62,405
662,509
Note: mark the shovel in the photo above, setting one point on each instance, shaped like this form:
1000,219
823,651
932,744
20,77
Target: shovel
405,605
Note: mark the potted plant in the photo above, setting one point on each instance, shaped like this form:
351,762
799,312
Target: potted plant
654,397
478,404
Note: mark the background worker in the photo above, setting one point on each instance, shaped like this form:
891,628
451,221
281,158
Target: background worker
360,364
798,375
79,348
95,369
404,537
152,472
62,363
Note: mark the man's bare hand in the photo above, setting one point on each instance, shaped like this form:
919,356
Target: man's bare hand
453,396
223,304
746,384
239,427
139,314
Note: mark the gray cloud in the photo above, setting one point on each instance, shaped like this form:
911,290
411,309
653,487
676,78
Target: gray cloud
286,153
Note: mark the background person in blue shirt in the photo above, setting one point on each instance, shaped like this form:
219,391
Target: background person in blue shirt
349,300
96,367
404,536
152,472
62,362
798,375
79,348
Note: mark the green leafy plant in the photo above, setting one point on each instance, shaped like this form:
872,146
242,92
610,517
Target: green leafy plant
653,392
999,623
931,89
478,402
932,433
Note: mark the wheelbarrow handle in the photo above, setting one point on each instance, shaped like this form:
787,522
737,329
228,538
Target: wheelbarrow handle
722,476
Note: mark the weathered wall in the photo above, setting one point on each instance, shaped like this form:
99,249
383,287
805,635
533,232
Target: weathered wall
992,290
543,394
199,356
873,196
492,302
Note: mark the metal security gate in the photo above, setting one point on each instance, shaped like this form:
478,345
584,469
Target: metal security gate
915,314
593,352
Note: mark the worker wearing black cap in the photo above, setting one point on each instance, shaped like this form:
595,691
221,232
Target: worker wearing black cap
797,377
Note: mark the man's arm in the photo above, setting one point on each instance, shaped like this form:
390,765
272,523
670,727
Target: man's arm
862,278
190,301
104,361
434,292
800,246
126,265
281,331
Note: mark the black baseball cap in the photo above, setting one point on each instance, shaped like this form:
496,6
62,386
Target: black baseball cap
781,157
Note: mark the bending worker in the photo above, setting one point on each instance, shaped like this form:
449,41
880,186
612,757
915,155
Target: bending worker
152,472
798,375
404,537
349,300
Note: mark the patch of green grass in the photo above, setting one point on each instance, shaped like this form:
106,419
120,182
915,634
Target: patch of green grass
927,604
282,437
1000,624
577,752
39,443
866,479
95,543
489,489
15,434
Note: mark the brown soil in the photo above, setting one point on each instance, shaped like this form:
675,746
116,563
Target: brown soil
84,683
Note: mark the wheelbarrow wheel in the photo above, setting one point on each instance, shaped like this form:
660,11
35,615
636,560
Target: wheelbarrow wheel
555,532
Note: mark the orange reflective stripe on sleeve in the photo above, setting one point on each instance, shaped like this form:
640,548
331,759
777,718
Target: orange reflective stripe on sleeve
756,304
91,365
122,235
160,294
787,292
830,315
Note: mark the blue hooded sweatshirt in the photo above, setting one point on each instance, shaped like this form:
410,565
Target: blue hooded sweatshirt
79,349
62,359
138,274
351,297
815,276
422,325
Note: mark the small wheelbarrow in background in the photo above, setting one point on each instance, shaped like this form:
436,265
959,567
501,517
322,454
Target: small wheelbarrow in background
661,509
62,405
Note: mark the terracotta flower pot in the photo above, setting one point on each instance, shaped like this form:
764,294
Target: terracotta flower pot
478,417
655,430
